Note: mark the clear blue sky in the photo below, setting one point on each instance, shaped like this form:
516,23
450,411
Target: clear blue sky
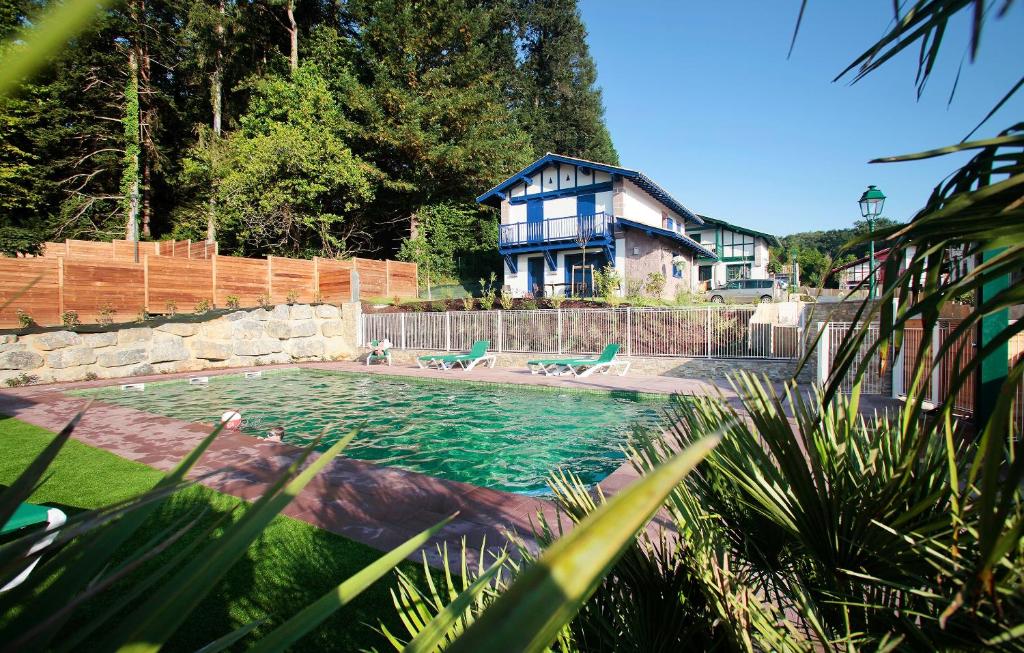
700,96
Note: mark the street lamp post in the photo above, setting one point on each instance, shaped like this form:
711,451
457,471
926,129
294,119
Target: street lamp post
871,203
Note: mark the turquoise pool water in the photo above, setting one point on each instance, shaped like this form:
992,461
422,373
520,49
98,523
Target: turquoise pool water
500,436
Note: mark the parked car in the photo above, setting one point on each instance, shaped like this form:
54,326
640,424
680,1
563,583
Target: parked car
744,291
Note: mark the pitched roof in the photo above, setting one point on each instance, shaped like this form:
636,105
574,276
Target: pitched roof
494,196
735,227
880,255
685,241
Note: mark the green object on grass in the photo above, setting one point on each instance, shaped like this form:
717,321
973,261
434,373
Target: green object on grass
27,514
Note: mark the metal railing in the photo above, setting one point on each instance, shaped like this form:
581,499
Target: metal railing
569,228
936,386
697,332
873,380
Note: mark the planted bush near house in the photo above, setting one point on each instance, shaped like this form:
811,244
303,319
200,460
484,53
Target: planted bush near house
70,319
24,319
106,314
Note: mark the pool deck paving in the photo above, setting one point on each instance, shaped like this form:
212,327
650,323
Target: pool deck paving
376,505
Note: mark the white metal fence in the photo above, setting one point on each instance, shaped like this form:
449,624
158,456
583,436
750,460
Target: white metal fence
872,383
704,332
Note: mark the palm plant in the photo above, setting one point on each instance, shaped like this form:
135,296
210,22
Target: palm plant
39,612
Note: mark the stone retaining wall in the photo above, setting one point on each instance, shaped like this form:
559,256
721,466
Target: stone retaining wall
283,334
712,369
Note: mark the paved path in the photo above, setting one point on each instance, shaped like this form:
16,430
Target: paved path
376,505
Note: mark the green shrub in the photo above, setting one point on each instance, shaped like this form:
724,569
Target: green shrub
171,307
634,289
232,302
22,379
106,312
488,292
654,286
607,282
24,319
292,296
70,319
264,302
505,299
203,306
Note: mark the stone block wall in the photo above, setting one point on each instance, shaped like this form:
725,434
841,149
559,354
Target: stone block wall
283,334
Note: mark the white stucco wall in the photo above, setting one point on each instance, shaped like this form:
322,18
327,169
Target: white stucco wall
638,206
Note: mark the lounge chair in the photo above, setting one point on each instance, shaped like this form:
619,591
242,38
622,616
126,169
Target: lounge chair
580,366
386,356
30,515
477,354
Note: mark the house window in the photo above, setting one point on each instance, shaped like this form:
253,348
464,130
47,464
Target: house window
677,270
735,245
670,224
704,273
741,271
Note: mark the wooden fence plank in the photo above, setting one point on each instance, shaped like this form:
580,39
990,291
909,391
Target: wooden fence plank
95,288
178,284
402,279
29,284
244,278
335,281
372,277
292,278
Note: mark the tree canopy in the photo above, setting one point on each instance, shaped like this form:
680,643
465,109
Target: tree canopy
297,127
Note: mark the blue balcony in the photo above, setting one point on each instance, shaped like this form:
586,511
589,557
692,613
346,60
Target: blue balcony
552,234
525,236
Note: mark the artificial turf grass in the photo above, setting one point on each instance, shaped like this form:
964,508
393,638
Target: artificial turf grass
287,568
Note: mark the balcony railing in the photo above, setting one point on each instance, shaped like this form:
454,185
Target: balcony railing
571,228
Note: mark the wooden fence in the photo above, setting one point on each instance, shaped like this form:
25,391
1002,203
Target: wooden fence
102,288
124,250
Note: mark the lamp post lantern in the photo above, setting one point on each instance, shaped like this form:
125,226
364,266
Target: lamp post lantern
871,203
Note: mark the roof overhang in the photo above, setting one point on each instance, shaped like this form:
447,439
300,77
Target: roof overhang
494,196
733,227
685,241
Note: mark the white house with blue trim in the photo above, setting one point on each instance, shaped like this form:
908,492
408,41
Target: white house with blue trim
563,217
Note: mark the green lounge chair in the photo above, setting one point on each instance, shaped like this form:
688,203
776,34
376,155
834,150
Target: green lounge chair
386,356
30,515
477,354
581,366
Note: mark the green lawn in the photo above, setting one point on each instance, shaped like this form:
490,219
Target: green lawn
290,566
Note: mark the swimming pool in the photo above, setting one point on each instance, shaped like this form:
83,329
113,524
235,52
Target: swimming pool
501,436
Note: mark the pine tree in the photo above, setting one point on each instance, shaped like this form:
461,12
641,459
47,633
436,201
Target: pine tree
562,105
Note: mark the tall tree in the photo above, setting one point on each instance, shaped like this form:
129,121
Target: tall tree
562,105
437,123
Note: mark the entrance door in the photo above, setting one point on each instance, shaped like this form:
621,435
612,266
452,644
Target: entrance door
535,276
585,207
579,274
534,221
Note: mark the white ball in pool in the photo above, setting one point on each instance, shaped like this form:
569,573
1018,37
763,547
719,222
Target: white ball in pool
231,419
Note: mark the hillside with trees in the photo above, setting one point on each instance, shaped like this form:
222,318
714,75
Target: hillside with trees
295,127
819,251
